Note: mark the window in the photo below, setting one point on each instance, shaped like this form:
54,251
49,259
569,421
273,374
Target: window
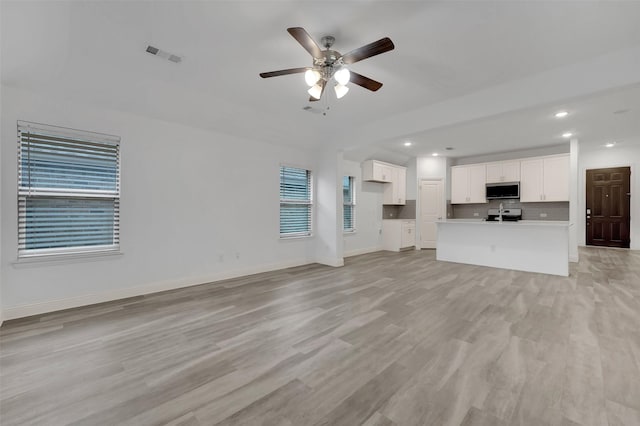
68,191
295,202
349,199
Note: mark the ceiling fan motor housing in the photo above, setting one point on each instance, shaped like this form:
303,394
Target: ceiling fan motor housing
327,41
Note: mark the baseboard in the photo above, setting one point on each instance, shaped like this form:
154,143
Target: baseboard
574,259
91,299
358,252
331,262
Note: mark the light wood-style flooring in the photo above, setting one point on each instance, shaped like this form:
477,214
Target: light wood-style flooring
389,339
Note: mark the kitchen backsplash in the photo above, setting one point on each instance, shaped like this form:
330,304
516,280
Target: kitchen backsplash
408,211
530,211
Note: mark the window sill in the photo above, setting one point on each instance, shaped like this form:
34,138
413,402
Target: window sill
352,232
294,237
62,258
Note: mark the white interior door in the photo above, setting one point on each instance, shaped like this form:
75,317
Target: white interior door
431,210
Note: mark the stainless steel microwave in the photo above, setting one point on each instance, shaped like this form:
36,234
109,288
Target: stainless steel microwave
503,190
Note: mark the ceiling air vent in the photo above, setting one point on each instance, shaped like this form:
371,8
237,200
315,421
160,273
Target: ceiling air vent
164,54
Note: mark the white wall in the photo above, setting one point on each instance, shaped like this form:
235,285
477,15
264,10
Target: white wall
1,269
574,190
514,155
196,206
368,237
329,248
412,179
591,157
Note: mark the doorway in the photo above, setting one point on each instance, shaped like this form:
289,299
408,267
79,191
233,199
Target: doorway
431,210
608,212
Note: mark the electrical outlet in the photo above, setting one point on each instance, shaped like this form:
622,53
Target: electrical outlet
476,214
543,215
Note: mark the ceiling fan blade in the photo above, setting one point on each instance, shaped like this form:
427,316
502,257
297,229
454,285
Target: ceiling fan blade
365,82
306,41
312,99
369,50
283,72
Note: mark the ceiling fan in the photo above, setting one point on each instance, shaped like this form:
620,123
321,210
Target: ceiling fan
328,64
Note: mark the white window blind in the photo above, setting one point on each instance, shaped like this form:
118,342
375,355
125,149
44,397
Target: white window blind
349,201
295,202
68,190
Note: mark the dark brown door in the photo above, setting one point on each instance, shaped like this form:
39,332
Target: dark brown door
608,207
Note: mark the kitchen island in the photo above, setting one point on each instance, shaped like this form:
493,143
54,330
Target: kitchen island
527,245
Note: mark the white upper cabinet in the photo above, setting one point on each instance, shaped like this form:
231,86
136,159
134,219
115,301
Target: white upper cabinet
478,183
545,179
556,178
394,177
468,184
531,180
377,171
505,171
396,191
459,185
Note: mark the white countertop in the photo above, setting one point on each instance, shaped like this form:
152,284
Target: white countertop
507,223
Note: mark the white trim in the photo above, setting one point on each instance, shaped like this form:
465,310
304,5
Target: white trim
69,132
286,237
123,293
64,258
358,252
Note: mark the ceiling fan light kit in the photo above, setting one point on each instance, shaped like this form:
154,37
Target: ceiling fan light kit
315,92
332,65
340,90
312,76
342,76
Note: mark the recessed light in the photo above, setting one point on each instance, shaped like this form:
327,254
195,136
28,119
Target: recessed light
435,154
561,114
610,144
567,134
407,143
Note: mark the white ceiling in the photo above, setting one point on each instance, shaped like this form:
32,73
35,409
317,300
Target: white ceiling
94,52
613,116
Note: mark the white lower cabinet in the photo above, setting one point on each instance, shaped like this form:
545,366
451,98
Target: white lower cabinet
398,234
